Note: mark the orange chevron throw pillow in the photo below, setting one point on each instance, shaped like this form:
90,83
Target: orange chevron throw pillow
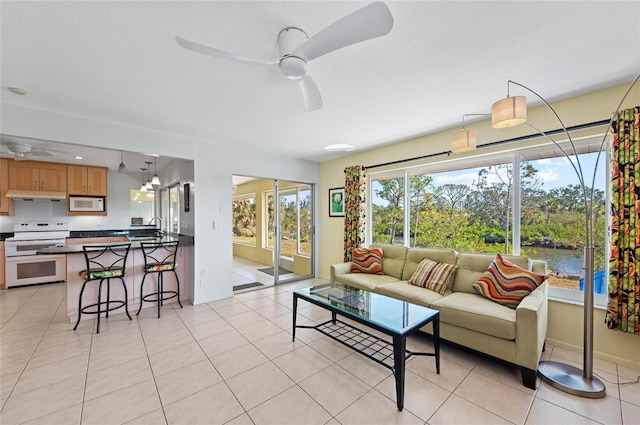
507,283
366,261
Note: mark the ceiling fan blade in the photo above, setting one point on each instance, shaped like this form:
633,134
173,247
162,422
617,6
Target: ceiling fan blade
210,51
310,94
371,21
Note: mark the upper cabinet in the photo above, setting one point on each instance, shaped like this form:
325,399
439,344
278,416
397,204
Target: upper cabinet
6,204
37,176
86,180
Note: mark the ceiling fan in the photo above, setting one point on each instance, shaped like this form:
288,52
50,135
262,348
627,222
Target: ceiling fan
23,151
296,49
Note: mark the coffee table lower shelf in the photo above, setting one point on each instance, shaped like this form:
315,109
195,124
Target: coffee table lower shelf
369,345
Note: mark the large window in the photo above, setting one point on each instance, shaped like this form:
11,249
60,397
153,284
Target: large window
244,220
468,210
482,205
552,219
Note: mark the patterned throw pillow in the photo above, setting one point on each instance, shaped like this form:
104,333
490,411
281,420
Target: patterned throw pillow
366,261
506,283
433,275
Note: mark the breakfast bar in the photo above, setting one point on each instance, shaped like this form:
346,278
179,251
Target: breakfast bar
75,262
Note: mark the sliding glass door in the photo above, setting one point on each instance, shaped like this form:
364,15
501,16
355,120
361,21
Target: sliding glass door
293,252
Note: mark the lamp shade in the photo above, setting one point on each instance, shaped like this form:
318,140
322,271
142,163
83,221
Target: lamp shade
463,141
509,112
155,180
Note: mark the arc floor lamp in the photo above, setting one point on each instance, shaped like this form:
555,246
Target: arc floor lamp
512,111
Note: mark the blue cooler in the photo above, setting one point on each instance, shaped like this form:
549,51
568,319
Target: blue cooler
599,286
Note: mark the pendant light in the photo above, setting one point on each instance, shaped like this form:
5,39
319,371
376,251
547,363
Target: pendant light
155,180
143,188
122,170
148,185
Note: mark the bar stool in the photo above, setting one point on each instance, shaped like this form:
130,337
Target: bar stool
104,262
159,257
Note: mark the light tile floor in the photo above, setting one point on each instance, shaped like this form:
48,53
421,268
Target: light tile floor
232,361
246,271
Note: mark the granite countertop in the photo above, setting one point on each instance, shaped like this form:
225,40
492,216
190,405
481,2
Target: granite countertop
5,235
135,244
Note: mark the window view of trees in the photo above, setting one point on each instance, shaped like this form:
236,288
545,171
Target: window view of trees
295,217
552,223
471,210
388,210
244,220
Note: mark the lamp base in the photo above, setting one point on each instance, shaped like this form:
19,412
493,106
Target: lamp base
570,379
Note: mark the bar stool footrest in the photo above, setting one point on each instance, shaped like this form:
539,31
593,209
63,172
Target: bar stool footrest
157,294
119,304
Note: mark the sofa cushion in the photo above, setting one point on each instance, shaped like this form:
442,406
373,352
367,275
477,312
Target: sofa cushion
364,281
393,258
433,275
416,255
474,312
506,283
402,290
367,261
472,266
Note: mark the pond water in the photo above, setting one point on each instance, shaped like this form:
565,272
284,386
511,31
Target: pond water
561,261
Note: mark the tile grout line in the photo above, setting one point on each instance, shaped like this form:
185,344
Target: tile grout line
155,383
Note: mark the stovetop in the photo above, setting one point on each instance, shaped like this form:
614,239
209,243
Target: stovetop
40,230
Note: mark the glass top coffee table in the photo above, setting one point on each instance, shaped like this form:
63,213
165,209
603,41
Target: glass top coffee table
392,317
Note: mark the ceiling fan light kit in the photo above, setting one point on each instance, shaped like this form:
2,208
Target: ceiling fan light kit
296,49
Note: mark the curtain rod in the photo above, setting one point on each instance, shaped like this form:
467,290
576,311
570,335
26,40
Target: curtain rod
499,142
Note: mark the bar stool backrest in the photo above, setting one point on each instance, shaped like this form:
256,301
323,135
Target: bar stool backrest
106,258
160,254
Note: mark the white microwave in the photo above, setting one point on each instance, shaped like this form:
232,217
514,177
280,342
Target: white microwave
83,203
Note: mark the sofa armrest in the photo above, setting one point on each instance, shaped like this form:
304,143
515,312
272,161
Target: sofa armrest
538,266
531,327
338,269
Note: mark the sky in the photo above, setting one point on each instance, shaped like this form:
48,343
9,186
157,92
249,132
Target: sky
554,173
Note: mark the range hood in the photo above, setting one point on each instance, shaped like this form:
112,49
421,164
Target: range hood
35,194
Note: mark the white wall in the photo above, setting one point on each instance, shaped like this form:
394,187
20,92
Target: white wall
214,164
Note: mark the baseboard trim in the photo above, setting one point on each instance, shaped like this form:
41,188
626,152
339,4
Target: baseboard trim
603,356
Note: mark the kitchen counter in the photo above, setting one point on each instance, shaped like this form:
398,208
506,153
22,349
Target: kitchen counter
135,244
133,276
5,235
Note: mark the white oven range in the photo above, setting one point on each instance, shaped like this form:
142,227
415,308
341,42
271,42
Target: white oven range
23,266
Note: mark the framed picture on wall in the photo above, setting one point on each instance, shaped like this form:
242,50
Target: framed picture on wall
336,202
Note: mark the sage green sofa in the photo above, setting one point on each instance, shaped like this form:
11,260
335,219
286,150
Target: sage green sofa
466,317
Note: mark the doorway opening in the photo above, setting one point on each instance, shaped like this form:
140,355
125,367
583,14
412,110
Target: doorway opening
272,224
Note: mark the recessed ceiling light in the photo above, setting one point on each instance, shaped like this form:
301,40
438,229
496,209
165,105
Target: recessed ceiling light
339,147
16,90
77,157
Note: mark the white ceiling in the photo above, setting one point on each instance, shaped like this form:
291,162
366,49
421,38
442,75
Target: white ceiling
118,61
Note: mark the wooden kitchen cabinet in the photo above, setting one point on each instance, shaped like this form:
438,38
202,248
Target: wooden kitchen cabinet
6,204
37,176
86,180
